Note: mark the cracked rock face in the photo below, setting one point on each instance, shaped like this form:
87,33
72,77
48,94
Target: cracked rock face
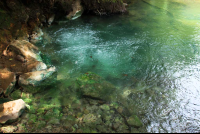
11,110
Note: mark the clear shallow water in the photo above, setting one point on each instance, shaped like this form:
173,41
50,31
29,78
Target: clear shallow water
151,54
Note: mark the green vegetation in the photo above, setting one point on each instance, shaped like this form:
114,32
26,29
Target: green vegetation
113,1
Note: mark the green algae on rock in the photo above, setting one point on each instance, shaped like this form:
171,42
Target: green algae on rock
16,94
92,85
134,121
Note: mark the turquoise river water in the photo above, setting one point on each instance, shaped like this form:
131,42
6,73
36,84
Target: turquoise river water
151,54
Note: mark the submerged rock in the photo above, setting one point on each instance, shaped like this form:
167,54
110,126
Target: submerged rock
16,94
9,129
7,82
11,110
134,121
34,81
92,85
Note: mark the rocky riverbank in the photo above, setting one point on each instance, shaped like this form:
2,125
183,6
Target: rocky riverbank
25,76
21,27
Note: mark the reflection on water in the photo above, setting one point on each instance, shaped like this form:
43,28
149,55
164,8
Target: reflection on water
152,53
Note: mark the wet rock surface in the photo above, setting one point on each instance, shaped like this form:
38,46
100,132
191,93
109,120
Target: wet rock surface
94,86
7,82
11,110
77,10
33,81
8,129
24,75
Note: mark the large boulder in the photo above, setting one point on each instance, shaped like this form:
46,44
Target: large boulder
11,110
24,54
24,48
33,82
7,82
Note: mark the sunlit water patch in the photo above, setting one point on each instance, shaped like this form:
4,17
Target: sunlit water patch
151,55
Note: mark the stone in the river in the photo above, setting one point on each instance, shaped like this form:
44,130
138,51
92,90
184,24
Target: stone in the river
51,19
77,10
35,66
105,107
134,121
92,85
25,48
54,121
16,94
7,82
11,110
90,118
33,82
36,35
9,129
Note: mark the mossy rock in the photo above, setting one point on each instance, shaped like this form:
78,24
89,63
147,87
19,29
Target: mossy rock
32,118
90,84
90,118
86,130
40,111
105,107
134,121
8,129
40,124
71,119
32,110
54,121
16,94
